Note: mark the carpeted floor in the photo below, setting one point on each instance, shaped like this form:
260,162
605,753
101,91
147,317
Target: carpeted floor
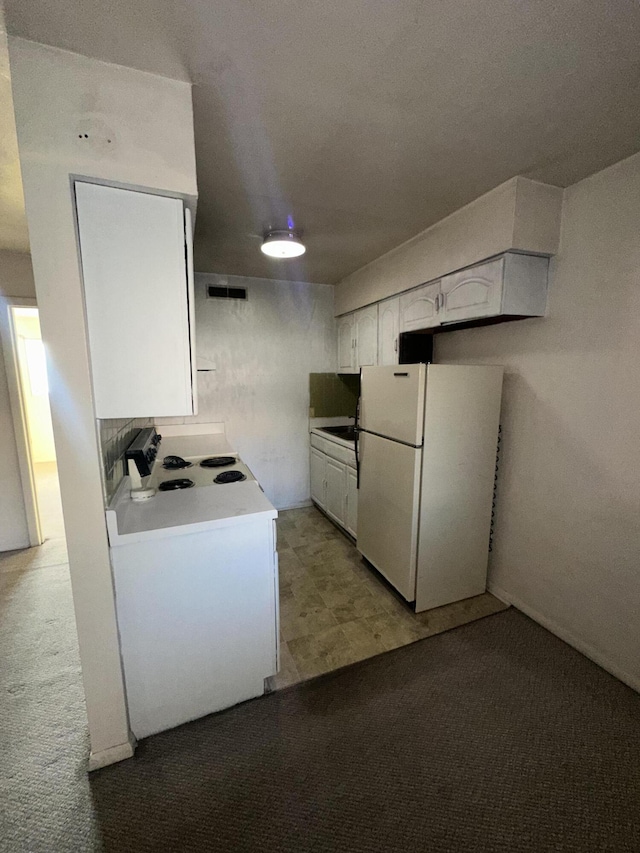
495,736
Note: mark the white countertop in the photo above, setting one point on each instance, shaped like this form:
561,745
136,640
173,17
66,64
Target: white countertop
330,437
190,510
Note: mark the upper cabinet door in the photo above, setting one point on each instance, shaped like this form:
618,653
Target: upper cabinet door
132,248
346,344
419,308
388,331
367,336
473,293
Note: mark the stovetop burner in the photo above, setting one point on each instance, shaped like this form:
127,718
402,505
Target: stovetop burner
172,485
217,461
230,477
175,463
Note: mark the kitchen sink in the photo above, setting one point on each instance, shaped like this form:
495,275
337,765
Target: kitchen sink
346,432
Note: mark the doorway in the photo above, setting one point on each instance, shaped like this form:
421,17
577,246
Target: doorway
27,369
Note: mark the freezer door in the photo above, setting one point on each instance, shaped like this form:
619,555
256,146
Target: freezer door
392,401
388,503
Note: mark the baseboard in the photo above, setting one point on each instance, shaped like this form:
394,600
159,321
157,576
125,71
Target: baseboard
112,755
584,648
300,505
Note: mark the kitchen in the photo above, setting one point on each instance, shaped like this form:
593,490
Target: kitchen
567,366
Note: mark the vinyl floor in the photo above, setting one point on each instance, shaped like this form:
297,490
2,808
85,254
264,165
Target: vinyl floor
336,610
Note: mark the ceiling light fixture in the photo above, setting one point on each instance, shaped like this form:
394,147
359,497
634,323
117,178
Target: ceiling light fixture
283,244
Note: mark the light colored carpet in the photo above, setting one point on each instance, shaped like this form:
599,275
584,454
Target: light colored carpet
493,737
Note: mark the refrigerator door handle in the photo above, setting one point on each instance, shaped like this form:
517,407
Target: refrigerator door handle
356,442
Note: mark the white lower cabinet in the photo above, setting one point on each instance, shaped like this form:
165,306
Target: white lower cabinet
335,474
334,482
351,510
318,465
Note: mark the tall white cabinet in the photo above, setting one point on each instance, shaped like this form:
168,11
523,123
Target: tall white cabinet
135,251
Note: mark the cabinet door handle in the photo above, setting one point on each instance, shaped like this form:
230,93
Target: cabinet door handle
395,345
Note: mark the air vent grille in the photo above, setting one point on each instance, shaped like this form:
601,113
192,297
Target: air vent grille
218,292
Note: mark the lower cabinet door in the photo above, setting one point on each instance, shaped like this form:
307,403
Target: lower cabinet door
335,489
351,513
318,463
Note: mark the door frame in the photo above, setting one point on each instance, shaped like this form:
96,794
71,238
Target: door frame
18,413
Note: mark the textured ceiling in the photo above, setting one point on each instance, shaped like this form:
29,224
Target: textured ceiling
367,120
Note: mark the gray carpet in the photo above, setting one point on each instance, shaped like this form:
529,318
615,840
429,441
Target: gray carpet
492,737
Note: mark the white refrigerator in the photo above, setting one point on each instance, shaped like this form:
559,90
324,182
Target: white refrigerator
427,440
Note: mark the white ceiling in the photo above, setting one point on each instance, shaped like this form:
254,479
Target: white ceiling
367,120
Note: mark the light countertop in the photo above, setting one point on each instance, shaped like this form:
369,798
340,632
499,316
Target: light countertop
190,510
344,442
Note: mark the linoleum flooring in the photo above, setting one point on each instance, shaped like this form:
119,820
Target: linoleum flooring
336,610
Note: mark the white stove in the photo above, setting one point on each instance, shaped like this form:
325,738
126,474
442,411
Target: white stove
197,471
196,580
151,472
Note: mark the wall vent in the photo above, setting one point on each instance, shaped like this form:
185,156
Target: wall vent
217,292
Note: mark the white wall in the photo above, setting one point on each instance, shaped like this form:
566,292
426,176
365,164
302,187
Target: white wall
519,214
567,542
264,350
16,279
78,116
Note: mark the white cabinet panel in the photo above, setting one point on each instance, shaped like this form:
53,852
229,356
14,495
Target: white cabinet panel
179,598
132,247
335,480
366,336
419,308
388,331
318,461
351,510
472,293
346,344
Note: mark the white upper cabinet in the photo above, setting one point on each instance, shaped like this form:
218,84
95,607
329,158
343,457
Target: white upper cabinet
346,348
367,336
139,301
472,293
512,285
508,287
419,308
358,340
388,331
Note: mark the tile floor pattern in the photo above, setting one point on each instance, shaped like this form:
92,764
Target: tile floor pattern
334,610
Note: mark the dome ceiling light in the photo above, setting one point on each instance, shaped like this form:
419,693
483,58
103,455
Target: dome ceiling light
283,244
